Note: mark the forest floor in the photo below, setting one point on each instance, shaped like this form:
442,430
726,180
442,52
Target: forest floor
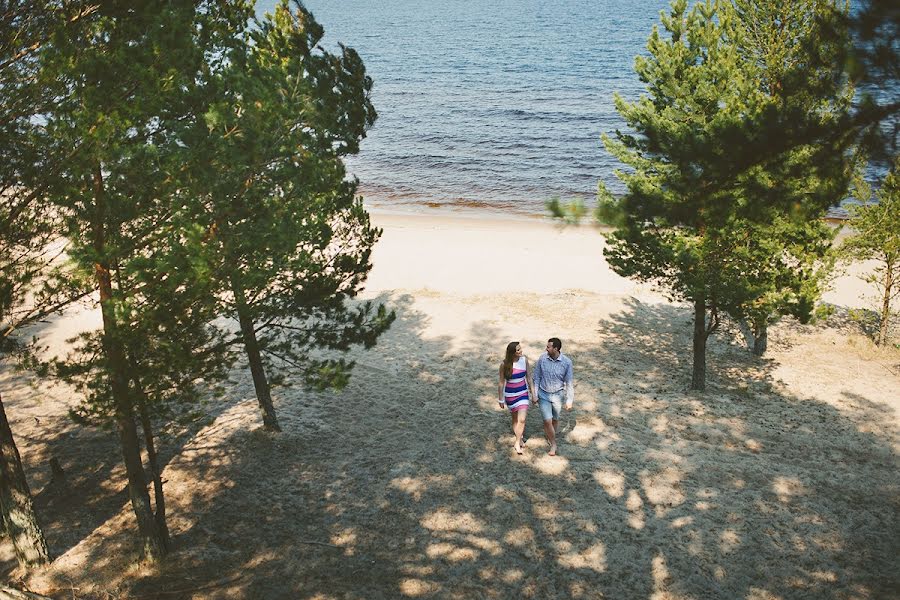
779,481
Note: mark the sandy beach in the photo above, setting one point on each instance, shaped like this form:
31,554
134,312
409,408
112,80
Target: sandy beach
779,481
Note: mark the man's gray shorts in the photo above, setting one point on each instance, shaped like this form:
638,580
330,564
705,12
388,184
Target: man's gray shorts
551,404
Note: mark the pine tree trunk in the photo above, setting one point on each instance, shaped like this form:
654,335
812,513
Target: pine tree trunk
158,497
19,518
756,337
760,338
698,380
251,346
886,304
153,546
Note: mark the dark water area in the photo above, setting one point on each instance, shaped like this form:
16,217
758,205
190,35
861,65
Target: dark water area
493,105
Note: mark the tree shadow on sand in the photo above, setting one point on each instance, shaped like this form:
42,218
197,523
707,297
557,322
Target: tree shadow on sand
404,484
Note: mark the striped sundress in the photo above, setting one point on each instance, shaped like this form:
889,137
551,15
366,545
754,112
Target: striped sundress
515,393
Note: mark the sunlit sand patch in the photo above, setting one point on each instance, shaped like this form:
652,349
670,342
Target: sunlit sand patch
593,558
660,424
680,522
450,552
696,545
824,576
634,504
760,594
346,538
729,541
586,430
416,486
505,493
416,587
831,543
485,544
578,589
551,465
445,520
663,488
788,487
661,577
512,575
753,445
418,570
519,536
612,481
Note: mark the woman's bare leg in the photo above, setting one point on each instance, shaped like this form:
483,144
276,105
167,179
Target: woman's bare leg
519,427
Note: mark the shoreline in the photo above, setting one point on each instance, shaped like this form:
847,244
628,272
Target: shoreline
421,205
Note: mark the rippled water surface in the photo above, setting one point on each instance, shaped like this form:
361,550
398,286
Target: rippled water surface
490,103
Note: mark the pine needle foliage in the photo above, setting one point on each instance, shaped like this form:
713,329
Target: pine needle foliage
124,87
696,220
291,240
876,237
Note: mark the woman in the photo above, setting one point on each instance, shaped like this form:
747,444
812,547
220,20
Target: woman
515,389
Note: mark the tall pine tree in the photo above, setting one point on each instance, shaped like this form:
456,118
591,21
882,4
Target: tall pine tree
30,250
696,219
292,239
876,237
129,86
782,258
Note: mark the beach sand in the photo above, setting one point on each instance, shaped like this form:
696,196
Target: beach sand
779,481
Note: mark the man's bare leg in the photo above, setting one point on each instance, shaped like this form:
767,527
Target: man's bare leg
551,436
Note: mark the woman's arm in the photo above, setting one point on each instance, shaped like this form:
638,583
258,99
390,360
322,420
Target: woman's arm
529,380
501,387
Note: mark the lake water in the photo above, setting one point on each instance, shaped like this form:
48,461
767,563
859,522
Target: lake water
496,104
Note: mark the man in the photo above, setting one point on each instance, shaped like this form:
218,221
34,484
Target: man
553,379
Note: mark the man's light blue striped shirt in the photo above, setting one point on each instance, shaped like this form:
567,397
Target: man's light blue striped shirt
554,375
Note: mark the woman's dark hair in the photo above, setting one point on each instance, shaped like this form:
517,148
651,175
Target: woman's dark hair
510,359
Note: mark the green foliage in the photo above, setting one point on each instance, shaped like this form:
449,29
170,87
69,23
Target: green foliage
876,237
569,213
127,91
290,240
31,282
698,219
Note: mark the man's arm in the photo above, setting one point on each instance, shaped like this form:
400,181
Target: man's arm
536,377
570,385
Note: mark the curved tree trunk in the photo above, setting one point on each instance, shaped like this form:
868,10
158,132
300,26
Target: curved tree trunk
19,518
251,347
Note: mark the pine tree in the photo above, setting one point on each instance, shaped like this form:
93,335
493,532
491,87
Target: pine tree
292,239
876,227
129,86
783,259
697,219
674,218
30,287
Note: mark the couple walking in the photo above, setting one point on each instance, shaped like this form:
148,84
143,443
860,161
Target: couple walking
552,376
